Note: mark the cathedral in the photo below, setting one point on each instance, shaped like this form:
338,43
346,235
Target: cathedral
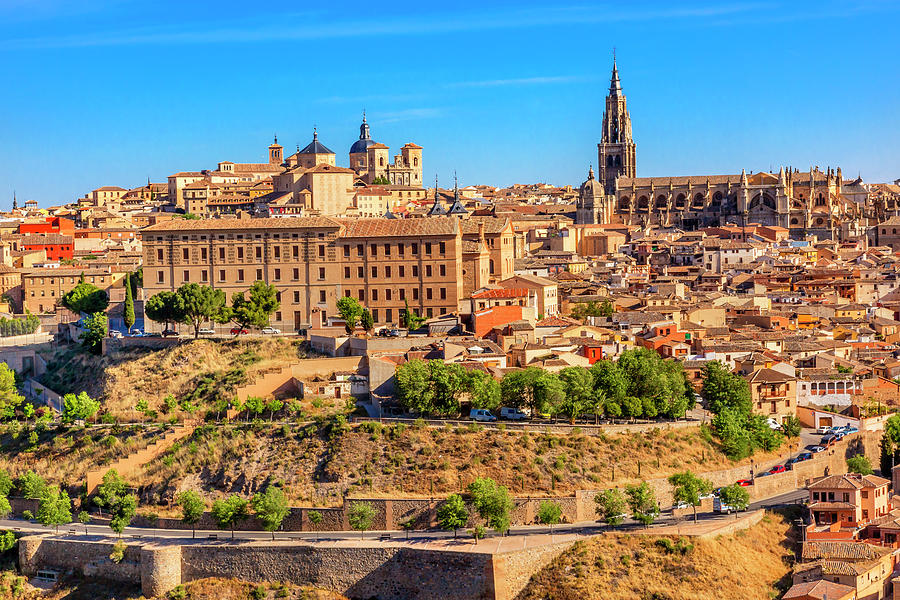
805,203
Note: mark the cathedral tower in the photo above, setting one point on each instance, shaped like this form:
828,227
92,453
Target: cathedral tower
616,150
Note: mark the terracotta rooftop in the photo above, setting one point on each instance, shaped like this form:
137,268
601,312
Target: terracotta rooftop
501,293
848,481
820,589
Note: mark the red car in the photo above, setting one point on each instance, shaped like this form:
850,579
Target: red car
744,482
237,331
777,469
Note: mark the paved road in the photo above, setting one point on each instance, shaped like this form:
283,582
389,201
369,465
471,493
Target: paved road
582,528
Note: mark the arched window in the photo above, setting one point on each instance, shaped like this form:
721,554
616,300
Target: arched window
698,201
381,161
680,202
609,161
762,200
492,267
643,203
820,200
661,201
717,199
820,221
416,161
794,221
624,203
618,161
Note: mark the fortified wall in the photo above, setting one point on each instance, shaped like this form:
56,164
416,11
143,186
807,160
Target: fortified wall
385,571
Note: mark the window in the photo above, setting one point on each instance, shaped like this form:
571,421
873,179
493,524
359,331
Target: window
387,294
402,294
374,250
277,274
240,275
415,271
387,249
259,252
389,315
360,272
443,293
160,276
240,252
347,293
295,251
443,247
159,254
221,274
346,251
296,297
362,295
402,271
428,293
259,274
346,272
321,295
374,272
186,276
429,312
427,270
375,315
359,250
375,295
415,293
222,253
443,270
296,274
387,272
415,248
321,272
400,249
277,250
321,251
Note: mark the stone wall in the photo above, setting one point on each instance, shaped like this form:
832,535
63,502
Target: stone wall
513,570
85,557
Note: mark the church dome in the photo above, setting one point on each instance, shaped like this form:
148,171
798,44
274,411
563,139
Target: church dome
362,144
591,187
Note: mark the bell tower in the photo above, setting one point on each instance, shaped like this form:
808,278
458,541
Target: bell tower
616,150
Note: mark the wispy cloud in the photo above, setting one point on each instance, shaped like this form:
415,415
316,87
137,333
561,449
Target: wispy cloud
517,81
410,114
315,27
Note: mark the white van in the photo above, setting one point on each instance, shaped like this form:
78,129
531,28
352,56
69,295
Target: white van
481,414
513,414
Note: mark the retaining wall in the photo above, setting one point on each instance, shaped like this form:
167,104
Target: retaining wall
287,377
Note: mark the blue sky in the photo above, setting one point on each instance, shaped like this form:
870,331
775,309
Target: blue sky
111,92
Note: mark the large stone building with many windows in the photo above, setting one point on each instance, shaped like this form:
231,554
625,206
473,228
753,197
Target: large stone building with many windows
803,202
431,264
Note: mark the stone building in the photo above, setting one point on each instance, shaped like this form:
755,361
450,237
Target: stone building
370,160
313,261
803,202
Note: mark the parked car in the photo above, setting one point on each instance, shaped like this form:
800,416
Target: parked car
773,423
823,429
777,469
113,333
744,482
239,331
513,414
763,474
136,333
206,331
828,439
721,507
804,456
481,414
271,331
789,463
850,429
170,333
393,411
817,449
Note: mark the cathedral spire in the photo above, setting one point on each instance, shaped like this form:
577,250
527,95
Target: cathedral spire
615,86
364,128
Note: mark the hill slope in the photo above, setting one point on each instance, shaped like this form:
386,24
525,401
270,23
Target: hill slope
749,565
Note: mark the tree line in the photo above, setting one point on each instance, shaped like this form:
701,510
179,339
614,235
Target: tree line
195,304
11,327
639,384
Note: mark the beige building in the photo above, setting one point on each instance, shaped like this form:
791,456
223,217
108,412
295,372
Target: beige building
313,261
42,289
370,160
547,292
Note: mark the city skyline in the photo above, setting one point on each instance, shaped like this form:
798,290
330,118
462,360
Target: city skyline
492,106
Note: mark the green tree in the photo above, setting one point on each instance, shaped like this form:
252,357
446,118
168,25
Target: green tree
79,406
578,387
493,502
271,507
611,506
366,320
361,516
735,496
452,514
192,508
165,307
609,380
255,308
230,511
409,319
96,327
859,464
111,488
201,303
351,312
85,298
412,383
84,518
484,390
55,509
791,426
5,507
31,485
642,502
129,304
10,399
548,394
549,513
6,483
583,310
447,383
121,512
688,489
723,389
517,387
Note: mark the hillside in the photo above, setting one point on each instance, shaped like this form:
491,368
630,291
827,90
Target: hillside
750,565
318,463
202,370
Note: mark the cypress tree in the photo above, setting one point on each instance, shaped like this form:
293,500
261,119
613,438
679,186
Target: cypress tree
129,304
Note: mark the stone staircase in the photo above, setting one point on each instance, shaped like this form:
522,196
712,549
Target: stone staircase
130,464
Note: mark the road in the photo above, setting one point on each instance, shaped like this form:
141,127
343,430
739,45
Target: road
582,528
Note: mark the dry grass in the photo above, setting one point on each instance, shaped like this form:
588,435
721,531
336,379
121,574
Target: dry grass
417,461
121,380
232,589
749,565
64,455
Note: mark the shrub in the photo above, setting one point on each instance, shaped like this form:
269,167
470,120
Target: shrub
118,552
